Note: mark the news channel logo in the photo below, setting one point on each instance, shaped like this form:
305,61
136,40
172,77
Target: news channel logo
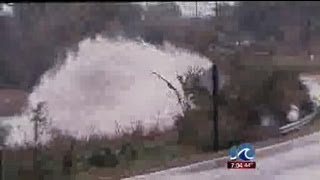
244,152
241,157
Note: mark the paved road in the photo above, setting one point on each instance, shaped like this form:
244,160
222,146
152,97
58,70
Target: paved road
300,161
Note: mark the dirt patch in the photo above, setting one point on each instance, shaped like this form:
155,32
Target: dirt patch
12,101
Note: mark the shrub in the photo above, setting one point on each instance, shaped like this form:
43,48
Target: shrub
194,126
103,158
127,152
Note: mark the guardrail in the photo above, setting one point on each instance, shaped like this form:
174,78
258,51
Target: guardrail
298,124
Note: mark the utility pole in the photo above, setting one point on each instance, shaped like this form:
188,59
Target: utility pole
217,14
308,34
196,8
1,162
215,129
216,9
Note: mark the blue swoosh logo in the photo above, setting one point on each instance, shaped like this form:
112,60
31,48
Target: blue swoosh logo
245,152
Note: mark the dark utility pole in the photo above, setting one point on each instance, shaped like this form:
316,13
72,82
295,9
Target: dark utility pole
215,133
196,8
1,162
216,9
308,36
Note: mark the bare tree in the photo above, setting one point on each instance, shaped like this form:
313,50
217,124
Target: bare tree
170,86
39,119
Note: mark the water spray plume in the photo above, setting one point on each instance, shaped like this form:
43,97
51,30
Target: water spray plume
109,81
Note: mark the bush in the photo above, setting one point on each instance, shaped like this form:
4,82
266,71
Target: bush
127,152
103,158
194,126
238,100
